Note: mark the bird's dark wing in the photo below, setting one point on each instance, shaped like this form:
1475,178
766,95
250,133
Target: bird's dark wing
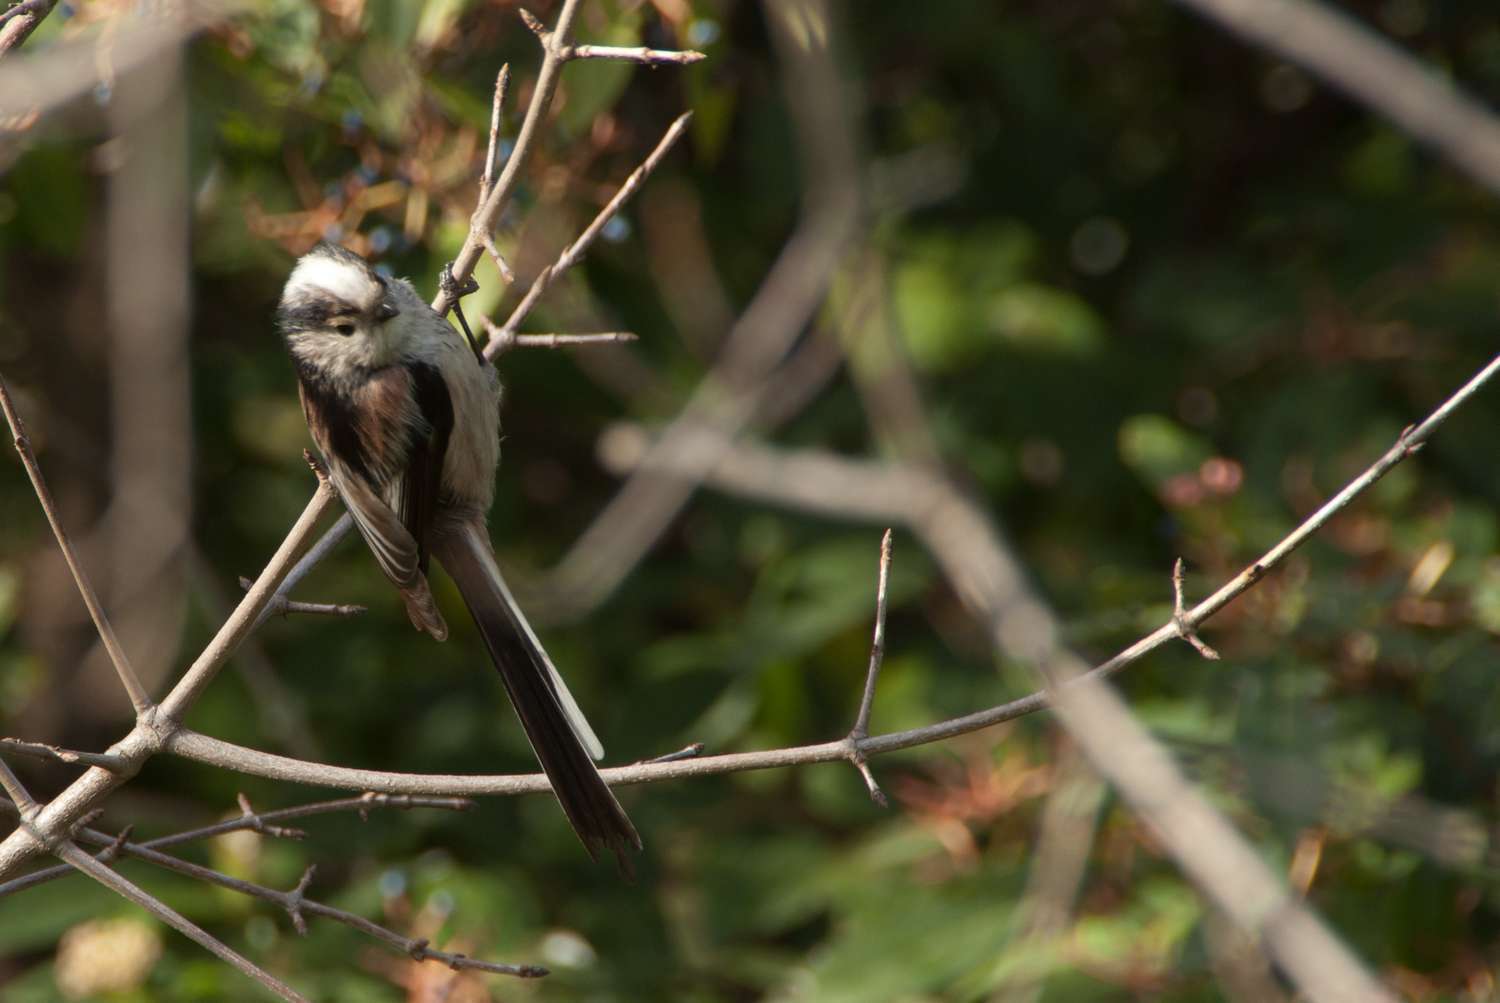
422,479
339,428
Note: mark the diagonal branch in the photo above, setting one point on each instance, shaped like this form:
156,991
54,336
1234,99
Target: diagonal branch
62,847
119,884
1357,61
861,729
574,252
298,906
17,23
55,753
260,821
946,521
132,683
494,202
789,296
152,729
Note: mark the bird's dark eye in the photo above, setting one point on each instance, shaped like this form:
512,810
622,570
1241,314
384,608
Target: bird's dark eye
344,327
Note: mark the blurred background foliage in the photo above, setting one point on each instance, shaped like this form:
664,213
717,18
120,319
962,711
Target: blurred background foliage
1162,294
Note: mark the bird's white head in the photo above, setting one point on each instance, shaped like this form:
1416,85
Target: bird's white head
338,313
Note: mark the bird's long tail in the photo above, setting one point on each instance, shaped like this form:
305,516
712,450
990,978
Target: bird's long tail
559,734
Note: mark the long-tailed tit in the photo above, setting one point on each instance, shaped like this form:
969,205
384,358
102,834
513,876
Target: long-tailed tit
407,418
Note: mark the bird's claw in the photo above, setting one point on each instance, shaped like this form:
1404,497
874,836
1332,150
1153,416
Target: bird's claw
453,287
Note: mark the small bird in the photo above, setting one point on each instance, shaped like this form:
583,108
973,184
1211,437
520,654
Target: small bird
406,414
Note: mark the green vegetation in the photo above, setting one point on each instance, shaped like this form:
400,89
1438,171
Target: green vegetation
1160,294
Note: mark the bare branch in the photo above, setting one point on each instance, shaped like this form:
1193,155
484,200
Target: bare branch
490,208
504,340
507,274
119,884
1369,69
1179,617
502,85
25,804
329,540
132,683
989,580
251,610
574,252
789,296
298,906
33,84
18,22
41,750
877,644
256,823
361,804
635,54
687,752
932,508
861,729
151,729
280,605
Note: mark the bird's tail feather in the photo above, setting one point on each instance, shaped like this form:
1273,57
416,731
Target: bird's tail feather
556,728
421,609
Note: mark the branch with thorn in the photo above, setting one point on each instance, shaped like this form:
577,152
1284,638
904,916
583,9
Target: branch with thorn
1180,620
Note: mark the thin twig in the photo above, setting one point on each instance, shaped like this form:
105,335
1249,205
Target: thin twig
280,605
877,644
571,254
152,729
132,683
256,823
120,885
483,222
789,296
502,85
26,805
503,340
824,482
251,610
361,805
686,752
635,54
507,274
944,518
1180,620
42,750
298,906
861,729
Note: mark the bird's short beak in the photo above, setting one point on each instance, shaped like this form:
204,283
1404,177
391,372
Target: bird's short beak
386,310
